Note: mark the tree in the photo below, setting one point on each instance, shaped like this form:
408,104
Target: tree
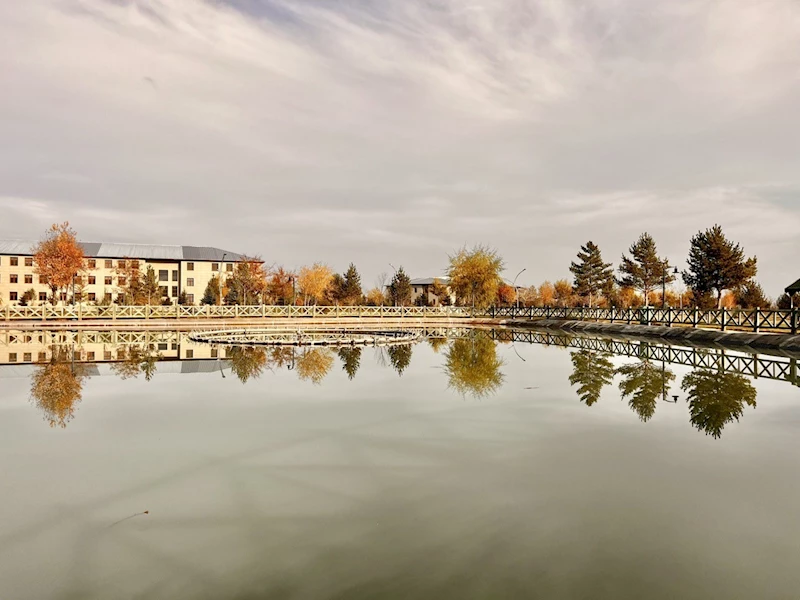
351,288
247,362
591,372
211,295
475,275
591,274
400,357
473,367
135,360
643,383
248,282
751,295
400,291
313,282
441,293
314,364
27,297
58,258
562,293
530,296
717,398
335,292
716,264
506,295
644,270
57,386
375,297
547,294
280,287
784,302
351,360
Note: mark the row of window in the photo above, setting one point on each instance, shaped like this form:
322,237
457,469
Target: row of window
91,356
92,297
122,263
14,261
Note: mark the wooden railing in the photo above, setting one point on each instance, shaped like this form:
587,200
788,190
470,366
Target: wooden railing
116,312
751,320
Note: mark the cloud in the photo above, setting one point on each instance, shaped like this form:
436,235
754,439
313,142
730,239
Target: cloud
392,131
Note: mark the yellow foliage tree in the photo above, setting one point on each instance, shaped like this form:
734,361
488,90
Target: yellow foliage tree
56,387
314,364
314,282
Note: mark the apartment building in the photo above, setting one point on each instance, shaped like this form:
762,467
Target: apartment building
178,268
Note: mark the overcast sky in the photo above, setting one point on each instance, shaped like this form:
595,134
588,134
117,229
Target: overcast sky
395,131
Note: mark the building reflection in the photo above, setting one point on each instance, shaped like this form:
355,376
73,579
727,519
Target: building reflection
717,398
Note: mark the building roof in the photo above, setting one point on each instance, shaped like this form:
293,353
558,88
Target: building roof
794,288
430,280
143,251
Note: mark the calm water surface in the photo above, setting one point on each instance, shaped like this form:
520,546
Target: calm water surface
464,468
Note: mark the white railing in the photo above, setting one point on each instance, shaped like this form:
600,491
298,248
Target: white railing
116,312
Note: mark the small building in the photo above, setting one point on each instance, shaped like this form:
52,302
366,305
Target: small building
425,285
792,290
178,268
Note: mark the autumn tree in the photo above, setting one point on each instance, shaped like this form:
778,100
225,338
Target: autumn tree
473,367
440,291
530,296
248,282
547,294
247,362
644,270
591,274
375,297
400,291
58,259
562,293
137,359
313,282
475,275
717,398
717,264
751,295
280,286
506,295
57,386
643,383
591,372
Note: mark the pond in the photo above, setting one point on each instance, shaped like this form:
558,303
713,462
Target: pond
468,464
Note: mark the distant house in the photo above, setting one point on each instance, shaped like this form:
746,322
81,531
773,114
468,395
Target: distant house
424,285
793,289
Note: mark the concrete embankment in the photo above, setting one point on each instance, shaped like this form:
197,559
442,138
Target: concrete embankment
676,335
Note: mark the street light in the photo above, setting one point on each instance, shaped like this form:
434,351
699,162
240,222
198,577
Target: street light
219,278
394,296
664,283
514,285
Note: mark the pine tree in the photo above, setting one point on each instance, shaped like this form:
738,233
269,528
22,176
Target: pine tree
400,291
591,372
591,274
751,295
644,270
351,290
717,264
351,360
150,290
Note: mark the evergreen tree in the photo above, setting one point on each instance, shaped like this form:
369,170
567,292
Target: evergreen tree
717,398
335,291
400,291
591,372
211,295
591,274
644,270
150,290
785,302
643,384
751,295
351,289
716,264
351,360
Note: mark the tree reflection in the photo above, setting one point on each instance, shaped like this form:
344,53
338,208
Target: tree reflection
437,343
642,384
351,360
473,367
314,364
591,372
717,398
135,360
282,356
400,357
56,387
247,362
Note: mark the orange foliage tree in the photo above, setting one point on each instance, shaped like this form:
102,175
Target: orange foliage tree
56,387
547,294
506,294
280,286
563,293
58,258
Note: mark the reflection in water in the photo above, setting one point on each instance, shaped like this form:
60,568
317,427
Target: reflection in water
56,387
717,398
399,357
135,360
247,362
473,367
591,372
642,383
437,343
314,364
351,360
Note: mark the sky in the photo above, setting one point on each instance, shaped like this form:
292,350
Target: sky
392,133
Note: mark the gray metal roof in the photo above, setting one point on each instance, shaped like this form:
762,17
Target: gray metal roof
794,288
143,251
430,280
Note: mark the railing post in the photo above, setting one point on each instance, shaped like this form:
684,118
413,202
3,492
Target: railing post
756,319
8,312
794,321
722,320
694,317
113,312
669,317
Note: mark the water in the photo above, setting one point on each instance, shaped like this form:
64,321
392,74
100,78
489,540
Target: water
448,469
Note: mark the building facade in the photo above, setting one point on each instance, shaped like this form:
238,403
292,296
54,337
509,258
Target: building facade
178,269
424,286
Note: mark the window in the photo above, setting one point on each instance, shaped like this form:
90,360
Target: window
90,356
14,278
229,268
174,275
12,357
92,279
123,280
12,296
42,296
190,282
108,280
190,354
162,345
43,279
27,357
174,291
135,265
214,353
42,356
28,261
92,263
14,261
63,296
109,264
76,355
174,346
121,264
215,266
190,266
92,297
28,278
190,298
121,354
107,355
163,275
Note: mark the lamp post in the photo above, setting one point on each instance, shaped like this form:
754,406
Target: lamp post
515,286
664,283
394,296
219,278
